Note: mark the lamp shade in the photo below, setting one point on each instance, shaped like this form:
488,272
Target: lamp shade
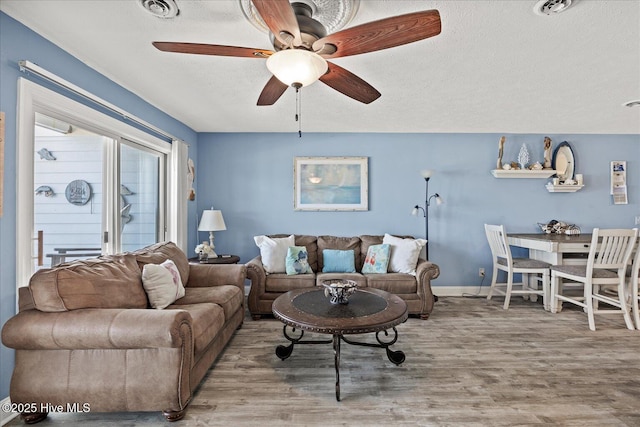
426,173
212,221
297,66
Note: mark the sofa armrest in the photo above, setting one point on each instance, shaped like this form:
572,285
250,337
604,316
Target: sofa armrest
208,275
98,328
258,277
426,271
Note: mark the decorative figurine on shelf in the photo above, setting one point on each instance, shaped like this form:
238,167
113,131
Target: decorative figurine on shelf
500,152
205,251
535,166
523,156
547,152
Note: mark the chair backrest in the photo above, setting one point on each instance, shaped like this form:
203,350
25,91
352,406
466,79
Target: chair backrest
635,270
497,238
611,249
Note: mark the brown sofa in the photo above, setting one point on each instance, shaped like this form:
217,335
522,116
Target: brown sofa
414,290
86,339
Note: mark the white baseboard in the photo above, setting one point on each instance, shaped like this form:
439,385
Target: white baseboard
459,291
5,417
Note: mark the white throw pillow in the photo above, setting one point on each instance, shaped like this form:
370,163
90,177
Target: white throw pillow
162,283
274,252
404,253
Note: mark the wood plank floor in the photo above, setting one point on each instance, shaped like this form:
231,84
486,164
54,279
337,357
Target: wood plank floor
471,364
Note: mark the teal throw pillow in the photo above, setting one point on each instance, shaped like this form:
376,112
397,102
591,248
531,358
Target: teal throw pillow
335,261
377,259
297,261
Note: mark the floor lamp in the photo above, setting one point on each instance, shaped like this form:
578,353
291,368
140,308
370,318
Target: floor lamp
426,174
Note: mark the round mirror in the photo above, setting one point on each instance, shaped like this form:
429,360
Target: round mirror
563,162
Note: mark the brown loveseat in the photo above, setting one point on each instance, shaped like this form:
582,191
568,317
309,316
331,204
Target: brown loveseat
86,339
414,290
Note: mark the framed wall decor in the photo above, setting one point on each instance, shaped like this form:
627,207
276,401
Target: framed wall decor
330,184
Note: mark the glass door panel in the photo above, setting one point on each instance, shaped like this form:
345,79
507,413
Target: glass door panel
140,196
68,196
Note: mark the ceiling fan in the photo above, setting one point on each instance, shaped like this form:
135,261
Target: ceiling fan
301,47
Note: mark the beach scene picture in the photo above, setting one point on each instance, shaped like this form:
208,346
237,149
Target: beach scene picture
331,183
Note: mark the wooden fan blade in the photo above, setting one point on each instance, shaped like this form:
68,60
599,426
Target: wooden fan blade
382,34
279,17
349,84
212,49
272,91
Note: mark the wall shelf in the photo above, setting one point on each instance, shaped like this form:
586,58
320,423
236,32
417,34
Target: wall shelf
567,188
523,173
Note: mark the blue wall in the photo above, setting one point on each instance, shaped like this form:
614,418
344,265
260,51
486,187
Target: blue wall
16,43
250,178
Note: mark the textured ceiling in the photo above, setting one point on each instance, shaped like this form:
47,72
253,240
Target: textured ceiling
496,67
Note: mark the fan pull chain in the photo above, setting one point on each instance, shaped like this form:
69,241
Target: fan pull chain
299,111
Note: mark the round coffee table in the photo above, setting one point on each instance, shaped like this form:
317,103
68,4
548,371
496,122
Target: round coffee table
368,310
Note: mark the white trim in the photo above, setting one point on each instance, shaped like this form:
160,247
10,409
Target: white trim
5,417
459,291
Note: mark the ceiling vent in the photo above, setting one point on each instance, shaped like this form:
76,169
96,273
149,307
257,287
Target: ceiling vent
166,9
551,7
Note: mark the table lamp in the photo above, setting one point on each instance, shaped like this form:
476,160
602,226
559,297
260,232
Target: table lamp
211,221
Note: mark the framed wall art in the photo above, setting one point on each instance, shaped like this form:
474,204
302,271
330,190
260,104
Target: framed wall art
330,184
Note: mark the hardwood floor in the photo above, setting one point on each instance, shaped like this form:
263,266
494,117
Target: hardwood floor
471,364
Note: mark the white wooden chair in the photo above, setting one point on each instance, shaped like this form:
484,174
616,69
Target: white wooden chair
635,287
606,267
533,271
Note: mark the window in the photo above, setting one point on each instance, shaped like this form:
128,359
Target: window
100,185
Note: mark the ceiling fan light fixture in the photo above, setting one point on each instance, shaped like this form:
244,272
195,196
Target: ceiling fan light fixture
297,67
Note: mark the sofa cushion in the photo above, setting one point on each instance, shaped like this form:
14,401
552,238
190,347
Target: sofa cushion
283,283
297,261
107,282
162,283
340,243
273,252
396,283
404,253
309,242
208,320
365,242
159,253
377,259
337,261
229,297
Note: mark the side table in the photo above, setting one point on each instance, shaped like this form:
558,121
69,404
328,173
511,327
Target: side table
221,259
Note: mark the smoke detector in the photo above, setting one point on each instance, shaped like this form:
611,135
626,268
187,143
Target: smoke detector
166,9
551,7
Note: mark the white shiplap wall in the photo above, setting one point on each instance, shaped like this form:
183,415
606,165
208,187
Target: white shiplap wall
65,224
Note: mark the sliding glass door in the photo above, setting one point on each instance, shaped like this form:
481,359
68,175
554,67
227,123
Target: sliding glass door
94,184
94,194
